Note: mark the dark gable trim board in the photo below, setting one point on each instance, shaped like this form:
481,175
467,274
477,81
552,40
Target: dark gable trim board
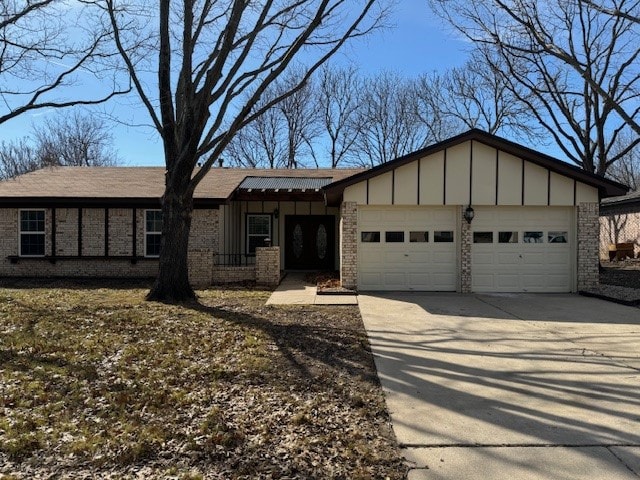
497,172
522,186
418,181
605,186
444,178
470,172
393,186
367,199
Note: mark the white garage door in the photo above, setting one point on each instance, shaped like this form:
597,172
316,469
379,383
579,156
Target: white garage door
407,248
523,249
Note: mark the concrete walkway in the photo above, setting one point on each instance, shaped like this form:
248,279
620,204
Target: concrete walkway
295,290
509,386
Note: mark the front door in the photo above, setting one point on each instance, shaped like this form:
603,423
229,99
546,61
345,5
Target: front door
309,242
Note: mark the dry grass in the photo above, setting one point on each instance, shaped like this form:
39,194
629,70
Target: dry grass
99,383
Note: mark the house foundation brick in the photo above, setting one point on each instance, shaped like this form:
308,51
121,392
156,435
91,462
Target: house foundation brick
233,274
268,266
465,253
349,244
588,245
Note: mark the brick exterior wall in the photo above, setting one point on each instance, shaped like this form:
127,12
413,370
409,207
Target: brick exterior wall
225,274
203,244
268,266
349,244
619,225
465,253
588,245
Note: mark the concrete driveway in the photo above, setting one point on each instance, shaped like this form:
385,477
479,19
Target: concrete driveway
509,386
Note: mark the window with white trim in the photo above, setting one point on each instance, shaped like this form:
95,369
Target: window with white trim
152,232
258,229
32,233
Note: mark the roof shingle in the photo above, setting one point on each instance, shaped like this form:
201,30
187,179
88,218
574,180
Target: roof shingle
144,182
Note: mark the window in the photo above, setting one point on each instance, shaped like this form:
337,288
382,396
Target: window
152,232
482,237
443,236
419,237
32,233
394,237
507,237
557,237
370,237
533,237
258,230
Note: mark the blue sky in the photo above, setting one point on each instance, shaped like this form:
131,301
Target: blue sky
418,42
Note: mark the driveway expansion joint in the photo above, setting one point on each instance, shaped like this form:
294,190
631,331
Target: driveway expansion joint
612,452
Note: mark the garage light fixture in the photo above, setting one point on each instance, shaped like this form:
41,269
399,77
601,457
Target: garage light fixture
469,214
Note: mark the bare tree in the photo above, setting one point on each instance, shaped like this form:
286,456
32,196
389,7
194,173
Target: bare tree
75,139
215,62
71,139
338,96
44,51
16,158
573,66
472,96
261,143
627,169
281,136
388,126
300,114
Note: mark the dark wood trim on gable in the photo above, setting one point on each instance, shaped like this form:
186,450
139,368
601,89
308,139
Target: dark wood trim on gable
470,172
497,172
606,187
418,180
522,186
367,200
444,179
393,186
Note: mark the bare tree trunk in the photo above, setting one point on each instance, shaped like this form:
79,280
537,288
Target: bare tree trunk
172,283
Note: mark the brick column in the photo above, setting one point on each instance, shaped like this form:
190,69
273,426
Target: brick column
203,245
349,244
465,253
588,240
268,266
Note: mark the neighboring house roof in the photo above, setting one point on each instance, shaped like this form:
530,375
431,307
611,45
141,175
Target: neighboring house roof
629,202
123,186
606,187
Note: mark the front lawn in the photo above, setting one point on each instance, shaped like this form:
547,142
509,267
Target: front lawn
98,383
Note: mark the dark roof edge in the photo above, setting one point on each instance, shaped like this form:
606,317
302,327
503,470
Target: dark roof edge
621,201
606,187
97,202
